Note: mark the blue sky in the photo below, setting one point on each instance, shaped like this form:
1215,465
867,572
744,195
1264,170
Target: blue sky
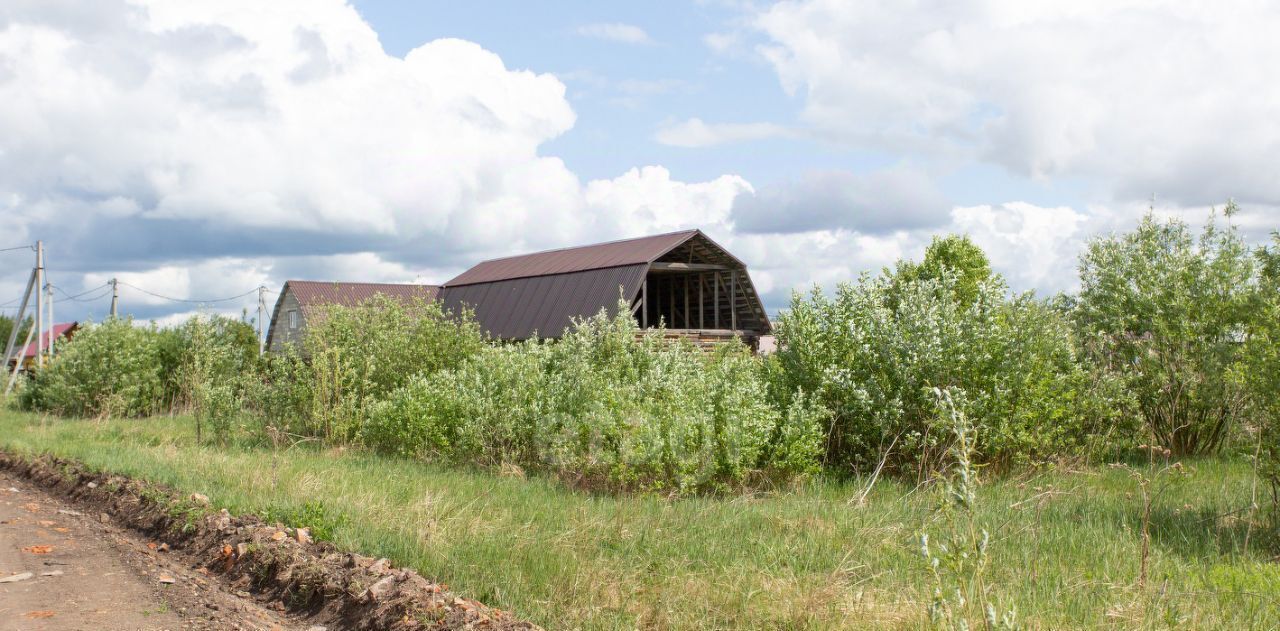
198,150
624,93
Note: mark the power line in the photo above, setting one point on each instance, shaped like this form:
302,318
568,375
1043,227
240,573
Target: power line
151,293
104,291
20,247
77,296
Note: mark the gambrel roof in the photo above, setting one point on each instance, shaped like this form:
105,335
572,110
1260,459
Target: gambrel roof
541,293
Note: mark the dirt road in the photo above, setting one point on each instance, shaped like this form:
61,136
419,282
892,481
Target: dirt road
63,569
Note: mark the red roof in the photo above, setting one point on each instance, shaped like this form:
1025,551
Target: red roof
312,293
60,330
577,259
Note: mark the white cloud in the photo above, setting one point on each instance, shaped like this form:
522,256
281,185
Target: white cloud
616,31
647,201
1149,96
898,198
206,281
152,137
696,133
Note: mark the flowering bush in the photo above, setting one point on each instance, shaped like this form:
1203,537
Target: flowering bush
606,405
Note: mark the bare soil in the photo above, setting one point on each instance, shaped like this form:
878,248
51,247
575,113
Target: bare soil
107,552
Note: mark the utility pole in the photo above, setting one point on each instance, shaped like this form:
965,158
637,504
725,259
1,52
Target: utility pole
17,361
262,308
115,297
39,303
17,323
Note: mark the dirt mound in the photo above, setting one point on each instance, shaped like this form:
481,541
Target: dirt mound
270,563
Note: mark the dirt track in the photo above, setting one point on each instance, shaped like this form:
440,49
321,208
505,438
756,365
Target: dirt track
94,575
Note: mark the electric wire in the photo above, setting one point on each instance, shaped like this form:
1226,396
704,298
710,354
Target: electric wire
20,247
162,297
77,296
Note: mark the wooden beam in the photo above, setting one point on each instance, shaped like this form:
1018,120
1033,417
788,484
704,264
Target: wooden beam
685,267
733,300
671,300
644,300
686,301
715,286
702,306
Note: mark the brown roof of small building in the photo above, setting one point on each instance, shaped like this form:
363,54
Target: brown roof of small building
576,259
313,293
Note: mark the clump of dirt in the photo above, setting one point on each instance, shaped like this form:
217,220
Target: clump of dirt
270,563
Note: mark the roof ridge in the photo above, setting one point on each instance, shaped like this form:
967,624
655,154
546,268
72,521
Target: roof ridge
590,245
357,282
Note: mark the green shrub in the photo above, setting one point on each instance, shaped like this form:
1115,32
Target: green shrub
237,343
113,368
874,352
1260,369
218,368
351,357
1167,312
607,406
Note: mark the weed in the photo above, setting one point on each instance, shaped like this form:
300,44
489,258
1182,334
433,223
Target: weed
957,560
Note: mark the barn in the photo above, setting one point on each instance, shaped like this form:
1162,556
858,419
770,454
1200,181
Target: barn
683,280
302,299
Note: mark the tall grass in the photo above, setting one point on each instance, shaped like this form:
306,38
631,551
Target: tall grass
1066,554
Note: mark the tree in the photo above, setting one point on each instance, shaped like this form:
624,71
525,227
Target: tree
872,352
6,327
1169,312
953,254
1260,370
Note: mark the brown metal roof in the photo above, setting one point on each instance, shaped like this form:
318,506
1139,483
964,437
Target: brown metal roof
313,293
519,308
576,259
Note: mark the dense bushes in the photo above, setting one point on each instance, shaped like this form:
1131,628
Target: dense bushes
119,369
1260,369
352,357
217,371
112,368
874,352
1171,338
608,406
1167,312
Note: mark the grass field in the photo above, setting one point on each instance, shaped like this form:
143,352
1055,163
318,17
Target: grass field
1065,543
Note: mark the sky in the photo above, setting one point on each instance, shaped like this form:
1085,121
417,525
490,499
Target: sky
198,150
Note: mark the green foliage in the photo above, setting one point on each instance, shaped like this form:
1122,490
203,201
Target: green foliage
218,368
1167,312
237,339
6,327
107,369
606,405
874,351
1260,368
953,255
354,356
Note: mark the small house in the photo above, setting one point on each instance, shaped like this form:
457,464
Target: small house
59,334
303,299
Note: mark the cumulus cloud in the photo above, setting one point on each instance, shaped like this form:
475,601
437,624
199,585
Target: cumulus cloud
143,139
616,31
875,202
1149,96
696,133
